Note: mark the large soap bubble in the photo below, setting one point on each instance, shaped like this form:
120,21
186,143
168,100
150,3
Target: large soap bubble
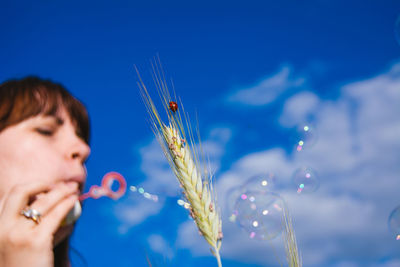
260,214
394,222
260,182
230,200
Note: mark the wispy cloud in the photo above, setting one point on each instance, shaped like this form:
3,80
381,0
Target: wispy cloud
299,109
267,90
159,245
357,158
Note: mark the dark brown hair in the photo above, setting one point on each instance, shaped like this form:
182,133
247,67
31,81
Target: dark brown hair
28,97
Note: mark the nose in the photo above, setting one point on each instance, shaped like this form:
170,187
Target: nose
76,154
79,150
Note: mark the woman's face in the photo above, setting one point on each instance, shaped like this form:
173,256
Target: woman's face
41,148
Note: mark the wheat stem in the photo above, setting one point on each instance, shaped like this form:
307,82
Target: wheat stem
218,258
291,249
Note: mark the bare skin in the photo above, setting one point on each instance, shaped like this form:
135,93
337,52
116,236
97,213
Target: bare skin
41,166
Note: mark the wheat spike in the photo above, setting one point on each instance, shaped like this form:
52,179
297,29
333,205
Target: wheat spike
179,150
196,192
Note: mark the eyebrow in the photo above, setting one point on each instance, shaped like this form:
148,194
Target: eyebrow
59,121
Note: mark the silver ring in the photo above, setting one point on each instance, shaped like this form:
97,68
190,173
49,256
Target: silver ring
32,214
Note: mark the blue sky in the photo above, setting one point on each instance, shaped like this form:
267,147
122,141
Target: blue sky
253,71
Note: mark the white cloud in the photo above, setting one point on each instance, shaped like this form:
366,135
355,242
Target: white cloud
299,108
159,245
356,156
266,91
214,147
134,210
160,179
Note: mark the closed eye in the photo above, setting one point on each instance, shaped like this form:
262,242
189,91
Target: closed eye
45,132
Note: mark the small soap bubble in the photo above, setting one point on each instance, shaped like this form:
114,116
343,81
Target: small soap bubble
397,30
260,182
394,223
133,188
306,180
305,137
183,203
142,192
262,218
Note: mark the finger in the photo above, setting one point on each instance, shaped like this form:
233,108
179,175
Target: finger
55,216
19,196
45,202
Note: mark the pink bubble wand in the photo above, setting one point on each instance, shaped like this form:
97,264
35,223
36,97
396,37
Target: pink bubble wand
105,189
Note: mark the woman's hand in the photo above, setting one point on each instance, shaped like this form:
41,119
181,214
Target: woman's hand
24,242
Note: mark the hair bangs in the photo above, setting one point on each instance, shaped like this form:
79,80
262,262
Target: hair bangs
32,96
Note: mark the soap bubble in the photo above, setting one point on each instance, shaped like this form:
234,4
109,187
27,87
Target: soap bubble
306,137
305,180
260,182
394,222
260,214
231,197
141,191
397,30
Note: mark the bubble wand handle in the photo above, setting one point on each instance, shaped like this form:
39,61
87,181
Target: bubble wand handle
105,189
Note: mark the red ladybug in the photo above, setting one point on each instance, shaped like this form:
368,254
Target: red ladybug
173,106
